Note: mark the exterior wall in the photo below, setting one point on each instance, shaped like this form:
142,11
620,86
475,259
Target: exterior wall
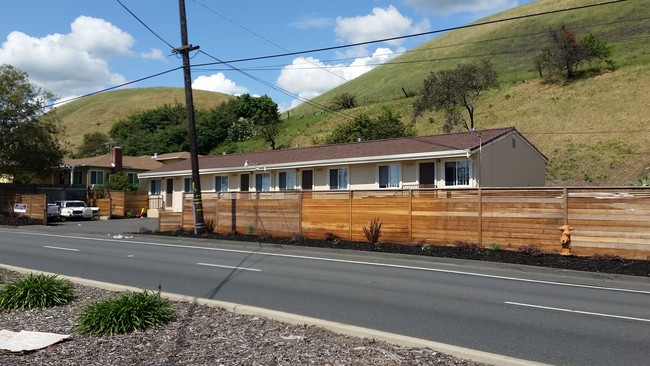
508,164
362,176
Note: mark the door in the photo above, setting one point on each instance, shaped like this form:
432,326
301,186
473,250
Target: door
169,193
427,175
307,180
244,182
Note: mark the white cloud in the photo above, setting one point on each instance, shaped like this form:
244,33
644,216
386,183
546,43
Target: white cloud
446,7
218,83
70,64
99,37
310,77
153,54
311,22
381,24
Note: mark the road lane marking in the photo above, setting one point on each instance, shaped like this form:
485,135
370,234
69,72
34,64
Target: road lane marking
61,248
507,278
577,311
230,267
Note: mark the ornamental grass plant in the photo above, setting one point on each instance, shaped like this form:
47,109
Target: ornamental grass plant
125,313
35,291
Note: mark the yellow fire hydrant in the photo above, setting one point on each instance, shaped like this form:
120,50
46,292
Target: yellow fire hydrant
565,239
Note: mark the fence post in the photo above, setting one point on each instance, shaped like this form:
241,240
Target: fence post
350,215
300,198
410,216
565,203
480,217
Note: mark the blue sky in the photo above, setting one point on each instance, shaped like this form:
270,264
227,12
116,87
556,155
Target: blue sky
75,47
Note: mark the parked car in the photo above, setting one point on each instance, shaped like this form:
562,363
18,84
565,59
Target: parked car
76,209
53,212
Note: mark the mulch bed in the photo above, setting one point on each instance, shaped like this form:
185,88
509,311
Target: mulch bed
529,256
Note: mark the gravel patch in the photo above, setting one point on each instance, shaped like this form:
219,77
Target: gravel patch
202,335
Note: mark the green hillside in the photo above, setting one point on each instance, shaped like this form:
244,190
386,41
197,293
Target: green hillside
98,112
594,131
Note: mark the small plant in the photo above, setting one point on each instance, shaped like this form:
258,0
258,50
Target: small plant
126,313
209,224
332,238
297,238
494,246
472,247
250,230
36,291
532,250
426,248
606,258
373,233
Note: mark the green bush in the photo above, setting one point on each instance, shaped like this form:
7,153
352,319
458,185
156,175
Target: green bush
125,313
373,233
35,291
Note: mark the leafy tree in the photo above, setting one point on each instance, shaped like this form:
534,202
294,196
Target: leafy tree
387,125
120,182
250,116
94,143
449,90
566,54
159,130
29,146
344,101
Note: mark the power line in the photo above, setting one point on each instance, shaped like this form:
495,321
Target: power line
266,39
145,25
315,50
113,87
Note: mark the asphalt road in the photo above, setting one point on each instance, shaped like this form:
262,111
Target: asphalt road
549,316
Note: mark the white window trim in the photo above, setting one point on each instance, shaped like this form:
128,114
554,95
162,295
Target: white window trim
217,189
90,180
347,187
399,178
287,188
469,173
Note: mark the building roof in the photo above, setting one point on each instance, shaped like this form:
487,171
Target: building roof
416,147
143,163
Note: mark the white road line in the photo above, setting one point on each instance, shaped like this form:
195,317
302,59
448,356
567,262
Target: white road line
230,267
267,254
60,248
577,311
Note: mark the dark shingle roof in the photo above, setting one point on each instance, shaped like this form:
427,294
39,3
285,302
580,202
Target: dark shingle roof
364,149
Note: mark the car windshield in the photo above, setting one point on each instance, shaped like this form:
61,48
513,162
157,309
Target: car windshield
76,204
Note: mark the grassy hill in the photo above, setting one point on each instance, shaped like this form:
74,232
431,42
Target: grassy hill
98,112
594,130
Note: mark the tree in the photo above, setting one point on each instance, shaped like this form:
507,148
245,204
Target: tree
566,54
94,143
120,182
387,125
448,90
344,101
29,145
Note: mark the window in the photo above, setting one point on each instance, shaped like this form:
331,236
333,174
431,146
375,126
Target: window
286,180
457,173
389,176
77,178
154,187
263,182
221,183
96,177
133,178
427,175
339,178
187,185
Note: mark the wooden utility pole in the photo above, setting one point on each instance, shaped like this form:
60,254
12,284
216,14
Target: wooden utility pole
184,51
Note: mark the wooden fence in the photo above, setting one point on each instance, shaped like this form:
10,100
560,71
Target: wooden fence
605,220
36,205
119,203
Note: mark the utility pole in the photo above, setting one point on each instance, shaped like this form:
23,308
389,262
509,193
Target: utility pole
184,51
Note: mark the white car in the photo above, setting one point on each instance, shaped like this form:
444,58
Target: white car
76,209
